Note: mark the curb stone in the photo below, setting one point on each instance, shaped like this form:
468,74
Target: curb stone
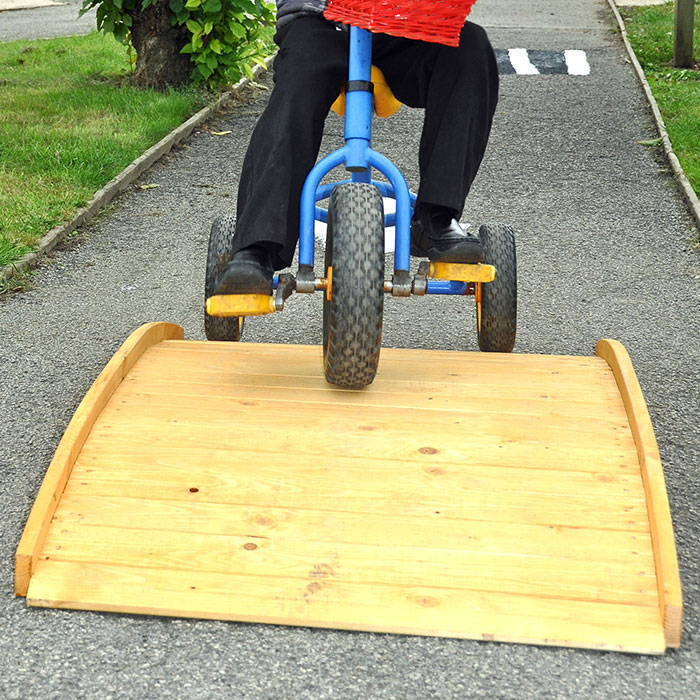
121,181
678,172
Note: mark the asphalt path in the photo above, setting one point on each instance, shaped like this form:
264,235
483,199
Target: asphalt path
45,22
606,249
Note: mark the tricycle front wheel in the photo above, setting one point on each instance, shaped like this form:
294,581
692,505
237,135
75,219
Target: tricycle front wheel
354,302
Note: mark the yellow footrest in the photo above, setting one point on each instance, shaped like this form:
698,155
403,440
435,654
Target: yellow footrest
461,272
240,305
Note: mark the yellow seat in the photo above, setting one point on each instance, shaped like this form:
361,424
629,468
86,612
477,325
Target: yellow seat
385,104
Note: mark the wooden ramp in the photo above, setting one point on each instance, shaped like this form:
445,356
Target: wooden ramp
500,497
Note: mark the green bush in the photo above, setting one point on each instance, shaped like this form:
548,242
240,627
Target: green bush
226,36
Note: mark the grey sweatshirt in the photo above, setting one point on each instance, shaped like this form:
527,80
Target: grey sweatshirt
287,10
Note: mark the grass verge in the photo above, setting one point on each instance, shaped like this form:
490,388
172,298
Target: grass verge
70,122
677,91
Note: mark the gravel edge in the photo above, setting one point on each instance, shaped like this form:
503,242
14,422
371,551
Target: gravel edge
681,178
121,181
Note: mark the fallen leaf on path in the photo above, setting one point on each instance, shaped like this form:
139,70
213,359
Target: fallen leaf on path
220,133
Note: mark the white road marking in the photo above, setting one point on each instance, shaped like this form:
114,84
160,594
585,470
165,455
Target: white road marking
577,62
389,232
521,62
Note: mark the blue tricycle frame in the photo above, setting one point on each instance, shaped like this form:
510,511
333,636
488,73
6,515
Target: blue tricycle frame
352,321
359,158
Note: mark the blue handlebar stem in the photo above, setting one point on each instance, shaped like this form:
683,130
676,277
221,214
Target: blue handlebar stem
359,158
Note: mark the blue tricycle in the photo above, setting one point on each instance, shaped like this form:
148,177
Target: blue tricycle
353,283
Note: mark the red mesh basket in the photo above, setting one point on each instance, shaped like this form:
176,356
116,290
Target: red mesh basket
439,21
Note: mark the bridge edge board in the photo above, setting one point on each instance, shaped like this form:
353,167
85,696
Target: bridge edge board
73,439
661,524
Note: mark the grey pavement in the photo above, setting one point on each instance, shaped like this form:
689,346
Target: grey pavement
45,22
606,249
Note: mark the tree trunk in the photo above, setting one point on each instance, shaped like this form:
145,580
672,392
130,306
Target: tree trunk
683,34
159,63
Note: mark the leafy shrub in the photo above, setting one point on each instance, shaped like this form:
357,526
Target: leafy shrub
226,36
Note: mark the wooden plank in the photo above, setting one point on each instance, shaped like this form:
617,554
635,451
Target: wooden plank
668,577
421,526
394,377
371,564
373,425
396,366
572,511
464,398
212,469
683,29
325,602
209,409
397,377
481,534
366,492
408,371
476,390
481,449
73,439
449,357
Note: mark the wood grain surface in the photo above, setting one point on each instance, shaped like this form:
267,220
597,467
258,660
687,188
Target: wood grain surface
462,494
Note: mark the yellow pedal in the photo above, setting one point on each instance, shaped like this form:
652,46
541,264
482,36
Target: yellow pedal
460,272
240,305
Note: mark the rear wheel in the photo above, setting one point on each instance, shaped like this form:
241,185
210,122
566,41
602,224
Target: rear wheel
218,257
496,302
354,304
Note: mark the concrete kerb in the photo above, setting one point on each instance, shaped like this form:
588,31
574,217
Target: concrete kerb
124,179
681,178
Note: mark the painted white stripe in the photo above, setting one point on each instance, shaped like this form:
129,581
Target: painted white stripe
521,62
577,62
389,233
320,229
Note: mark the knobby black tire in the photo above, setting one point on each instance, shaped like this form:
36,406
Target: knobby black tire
218,257
352,319
499,298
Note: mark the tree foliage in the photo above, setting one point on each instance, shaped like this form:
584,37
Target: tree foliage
225,36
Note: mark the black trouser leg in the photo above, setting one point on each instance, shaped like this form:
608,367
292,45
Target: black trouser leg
458,87
310,69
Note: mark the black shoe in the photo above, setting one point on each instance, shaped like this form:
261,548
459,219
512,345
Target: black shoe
249,272
439,237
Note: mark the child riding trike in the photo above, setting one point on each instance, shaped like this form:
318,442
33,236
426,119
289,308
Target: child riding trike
352,281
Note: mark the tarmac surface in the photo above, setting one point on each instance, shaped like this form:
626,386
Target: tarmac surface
606,249
57,19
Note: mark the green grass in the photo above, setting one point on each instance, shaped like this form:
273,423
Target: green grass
69,122
677,91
